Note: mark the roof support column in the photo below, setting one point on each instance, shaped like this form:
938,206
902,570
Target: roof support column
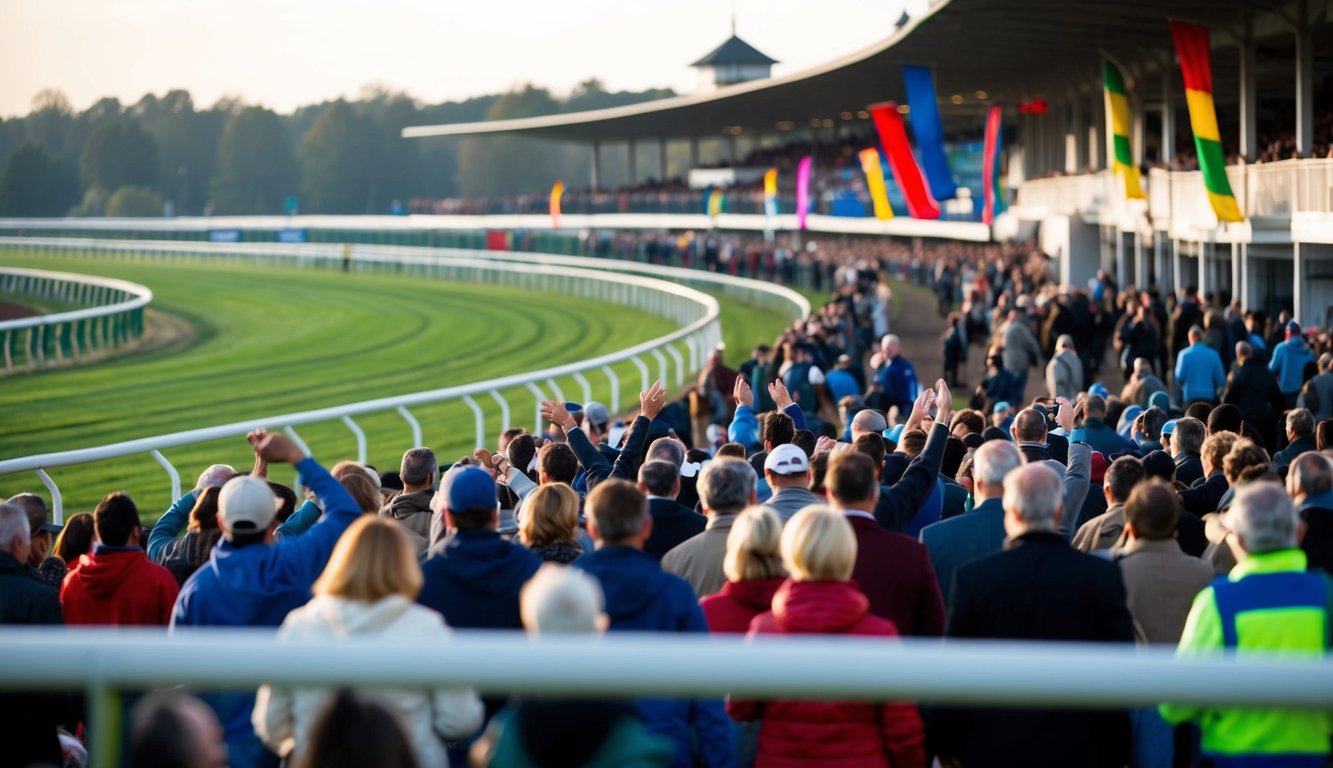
662,159
731,150
596,165
1249,135
1304,87
1077,141
1136,106
1168,119
694,152
1026,141
632,156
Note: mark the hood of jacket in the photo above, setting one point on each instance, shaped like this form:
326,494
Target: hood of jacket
348,618
404,505
106,569
757,595
825,607
489,565
631,578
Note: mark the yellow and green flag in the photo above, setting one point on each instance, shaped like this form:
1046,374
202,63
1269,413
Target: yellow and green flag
879,196
1196,66
1119,151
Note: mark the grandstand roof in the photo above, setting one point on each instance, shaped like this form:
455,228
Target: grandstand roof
982,50
734,51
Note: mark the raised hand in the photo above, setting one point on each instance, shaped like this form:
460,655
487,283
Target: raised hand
653,399
922,404
483,458
781,397
943,403
274,447
741,392
1066,413
554,412
825,443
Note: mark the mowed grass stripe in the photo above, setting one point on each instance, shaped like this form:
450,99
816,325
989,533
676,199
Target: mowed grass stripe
278,340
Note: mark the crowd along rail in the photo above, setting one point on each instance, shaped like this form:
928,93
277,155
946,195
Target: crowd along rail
110,315
681,352
101,663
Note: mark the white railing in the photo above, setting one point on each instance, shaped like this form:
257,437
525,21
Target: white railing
113,316
103,662
1083,195
686,348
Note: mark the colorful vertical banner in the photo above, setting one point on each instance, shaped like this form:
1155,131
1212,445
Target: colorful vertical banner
770,202
928,130
889,124
557,191
713,203
1119,151
803,191
879,196
1196,66
992,172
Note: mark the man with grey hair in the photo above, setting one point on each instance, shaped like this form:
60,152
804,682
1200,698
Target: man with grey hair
1310,485
1300,439
1142,385
411,508
726,486
28,728
963,539
173,521
41,564
868,421
1187,449
1287,610
896,378
673,523
640,596
1022,351
1317,394
1064,373
1038,588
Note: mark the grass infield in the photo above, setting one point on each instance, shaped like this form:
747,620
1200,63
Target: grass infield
234,342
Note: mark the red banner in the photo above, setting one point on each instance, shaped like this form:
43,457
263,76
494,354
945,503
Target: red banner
906,172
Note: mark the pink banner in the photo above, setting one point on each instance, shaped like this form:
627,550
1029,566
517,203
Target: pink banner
990,169
802,191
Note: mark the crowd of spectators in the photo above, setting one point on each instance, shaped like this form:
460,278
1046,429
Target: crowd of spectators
816,488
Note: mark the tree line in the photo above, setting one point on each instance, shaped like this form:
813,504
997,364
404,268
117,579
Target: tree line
162,154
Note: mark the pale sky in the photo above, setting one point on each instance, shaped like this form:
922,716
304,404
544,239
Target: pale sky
286,53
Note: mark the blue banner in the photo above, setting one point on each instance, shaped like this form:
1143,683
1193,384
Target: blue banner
929,131
224,235
291,235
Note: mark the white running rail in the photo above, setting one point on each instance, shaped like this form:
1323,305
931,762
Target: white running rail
113,316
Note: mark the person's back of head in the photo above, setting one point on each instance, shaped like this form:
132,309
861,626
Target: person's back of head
1263,519
1225,418
805,440
852,480
353,733
660,478
521,452
730,451
372,560
550,516
1195,334
1029,426
1152,421
1188,435
727,485
556,463
1121,477
1152,511
818,544
15,537
1201,411
1300,423
558,600
1245,461
667,449
75,539
871,444
778,429
418,468
754,546
1215,449
912,442
1033,499
991,464
470,502
172,729
204,513
1310,474
617,513
868,421
116,520
362,483
967,421
1094,407
215,476
1244,351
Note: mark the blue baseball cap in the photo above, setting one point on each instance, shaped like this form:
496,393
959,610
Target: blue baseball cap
1099,389
470,488
893,433
1169,427
1002,405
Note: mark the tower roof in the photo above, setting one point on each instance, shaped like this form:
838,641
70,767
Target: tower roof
734,51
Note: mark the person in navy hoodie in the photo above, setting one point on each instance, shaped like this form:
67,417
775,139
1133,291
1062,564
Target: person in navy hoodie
251,580
641,596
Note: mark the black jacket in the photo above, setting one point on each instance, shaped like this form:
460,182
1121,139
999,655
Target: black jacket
27,721
899,503
1254,390
1189,468
1039,588
1283,458
672,524
1203,498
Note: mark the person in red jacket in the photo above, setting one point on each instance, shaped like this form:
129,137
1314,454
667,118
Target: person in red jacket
116,584
754,570
819,550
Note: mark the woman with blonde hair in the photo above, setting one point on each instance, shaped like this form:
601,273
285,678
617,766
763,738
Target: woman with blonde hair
550,524
753,565
368,591
819,550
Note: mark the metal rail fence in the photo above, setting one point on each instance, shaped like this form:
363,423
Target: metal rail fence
680,353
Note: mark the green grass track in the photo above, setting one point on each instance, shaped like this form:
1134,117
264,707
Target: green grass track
233,342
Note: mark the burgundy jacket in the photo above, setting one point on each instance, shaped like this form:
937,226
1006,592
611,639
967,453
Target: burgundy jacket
732,609
895,573
849,734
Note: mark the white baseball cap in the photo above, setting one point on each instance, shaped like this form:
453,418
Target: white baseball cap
247,505
787,459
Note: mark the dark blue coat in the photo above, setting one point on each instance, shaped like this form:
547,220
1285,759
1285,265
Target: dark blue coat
474,578
960,540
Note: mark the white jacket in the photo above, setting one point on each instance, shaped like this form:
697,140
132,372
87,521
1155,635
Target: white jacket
282,717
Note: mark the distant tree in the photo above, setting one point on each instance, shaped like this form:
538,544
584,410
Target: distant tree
32,184
134,202
92,204
187,142
341,160
119,153
255,165
50,124
502,165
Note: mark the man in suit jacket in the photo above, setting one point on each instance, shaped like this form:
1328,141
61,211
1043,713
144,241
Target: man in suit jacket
726,486
672,522
1204,497
1252,389
1103,531
1037,589
1186,443
971,536
1310,485
1029,431
1300,434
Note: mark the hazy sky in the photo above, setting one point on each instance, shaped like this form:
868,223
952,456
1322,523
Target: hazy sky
285,53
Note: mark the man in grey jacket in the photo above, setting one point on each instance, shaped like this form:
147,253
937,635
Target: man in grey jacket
787,470
726,486
1021,350
411,508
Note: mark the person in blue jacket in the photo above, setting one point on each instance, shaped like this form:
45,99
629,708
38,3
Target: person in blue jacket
1199,371
251,580
1289,361
640,596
